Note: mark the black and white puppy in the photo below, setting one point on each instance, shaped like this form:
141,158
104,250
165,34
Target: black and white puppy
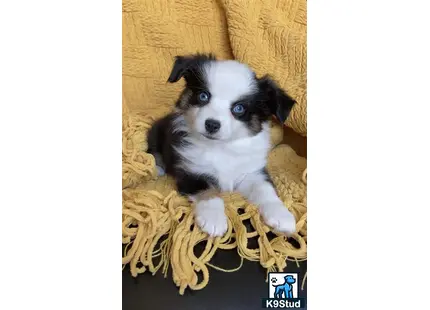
217,139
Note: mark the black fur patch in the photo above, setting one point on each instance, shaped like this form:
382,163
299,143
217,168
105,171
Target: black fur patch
266,175
269,100
190,184
257,111
278,101
190,68
162,140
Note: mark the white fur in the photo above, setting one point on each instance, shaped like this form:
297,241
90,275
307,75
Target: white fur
229,162
210,216
227,82
261,193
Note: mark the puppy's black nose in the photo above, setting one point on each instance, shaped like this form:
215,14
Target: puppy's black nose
212,126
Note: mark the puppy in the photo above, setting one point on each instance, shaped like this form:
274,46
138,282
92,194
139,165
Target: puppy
217,139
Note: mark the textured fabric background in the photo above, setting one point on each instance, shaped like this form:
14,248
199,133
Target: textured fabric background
268,35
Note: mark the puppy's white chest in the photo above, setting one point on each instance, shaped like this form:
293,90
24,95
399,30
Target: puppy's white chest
228,165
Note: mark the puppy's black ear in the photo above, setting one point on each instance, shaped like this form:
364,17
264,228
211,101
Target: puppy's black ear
184,65
179,68
279,102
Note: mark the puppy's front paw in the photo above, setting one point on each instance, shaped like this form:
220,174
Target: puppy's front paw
210,216
278,217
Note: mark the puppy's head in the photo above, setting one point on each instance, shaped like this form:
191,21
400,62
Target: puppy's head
224,100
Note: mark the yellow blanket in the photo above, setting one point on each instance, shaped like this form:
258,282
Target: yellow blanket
157,223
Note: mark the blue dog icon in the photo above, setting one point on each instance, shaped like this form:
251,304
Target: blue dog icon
285,290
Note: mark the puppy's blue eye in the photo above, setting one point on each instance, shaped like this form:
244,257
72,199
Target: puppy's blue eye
203,96
238,109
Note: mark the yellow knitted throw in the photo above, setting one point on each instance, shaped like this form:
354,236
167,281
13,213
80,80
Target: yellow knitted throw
157,224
